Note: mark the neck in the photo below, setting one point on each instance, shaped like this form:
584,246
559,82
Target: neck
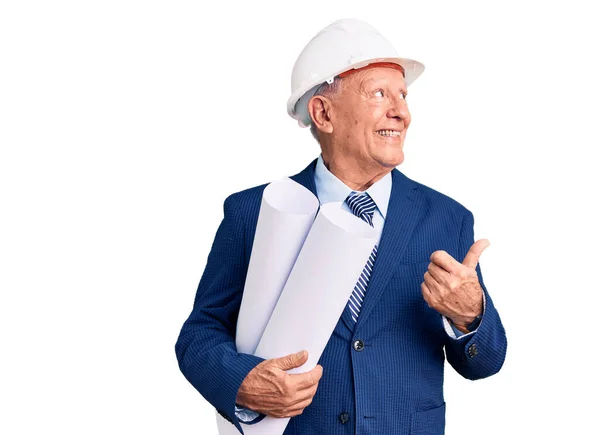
354,174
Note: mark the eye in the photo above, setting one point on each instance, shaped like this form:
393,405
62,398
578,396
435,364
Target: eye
403,95
379,93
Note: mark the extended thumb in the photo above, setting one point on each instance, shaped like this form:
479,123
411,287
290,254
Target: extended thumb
472,257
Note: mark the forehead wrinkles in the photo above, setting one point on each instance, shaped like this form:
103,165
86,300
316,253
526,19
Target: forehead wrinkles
368,82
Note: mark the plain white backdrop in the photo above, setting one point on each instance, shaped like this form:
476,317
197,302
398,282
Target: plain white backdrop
125,124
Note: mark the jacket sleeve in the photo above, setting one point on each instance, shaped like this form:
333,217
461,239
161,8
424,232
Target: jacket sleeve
205,348
481,353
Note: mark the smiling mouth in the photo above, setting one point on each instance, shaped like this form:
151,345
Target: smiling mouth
388,133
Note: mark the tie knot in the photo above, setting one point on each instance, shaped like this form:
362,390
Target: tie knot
362,205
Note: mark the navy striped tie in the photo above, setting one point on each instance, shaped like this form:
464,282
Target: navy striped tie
363,206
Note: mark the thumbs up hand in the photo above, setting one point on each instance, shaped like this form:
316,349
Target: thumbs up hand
452,288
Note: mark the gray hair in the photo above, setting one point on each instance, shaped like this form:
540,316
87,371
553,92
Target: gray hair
326,90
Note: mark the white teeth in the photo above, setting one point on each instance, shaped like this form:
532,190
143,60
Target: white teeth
388,132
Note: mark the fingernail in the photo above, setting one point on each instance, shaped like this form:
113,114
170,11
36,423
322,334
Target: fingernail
300,354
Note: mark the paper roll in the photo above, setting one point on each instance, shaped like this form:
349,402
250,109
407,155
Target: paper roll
315,294
286,215
287,212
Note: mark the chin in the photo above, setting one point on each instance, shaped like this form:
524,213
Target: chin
390,154
392,159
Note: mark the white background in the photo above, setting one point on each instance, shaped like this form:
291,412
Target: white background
125,124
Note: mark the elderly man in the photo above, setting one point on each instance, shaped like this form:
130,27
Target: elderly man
420,292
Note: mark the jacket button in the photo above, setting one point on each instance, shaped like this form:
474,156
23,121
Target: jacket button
344,417
472,350
358,345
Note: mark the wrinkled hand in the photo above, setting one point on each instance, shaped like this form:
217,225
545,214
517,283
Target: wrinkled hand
269,389
452,288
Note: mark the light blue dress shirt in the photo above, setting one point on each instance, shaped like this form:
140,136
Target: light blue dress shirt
331,189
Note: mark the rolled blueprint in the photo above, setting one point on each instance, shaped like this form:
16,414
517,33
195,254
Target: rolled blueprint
287,212
315,294
286,215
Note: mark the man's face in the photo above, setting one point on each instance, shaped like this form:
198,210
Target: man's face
370,117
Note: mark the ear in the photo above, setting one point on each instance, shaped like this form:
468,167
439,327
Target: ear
319,109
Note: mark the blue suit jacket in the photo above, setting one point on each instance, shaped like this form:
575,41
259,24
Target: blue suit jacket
394,383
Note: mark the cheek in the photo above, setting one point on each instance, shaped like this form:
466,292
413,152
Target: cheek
349,120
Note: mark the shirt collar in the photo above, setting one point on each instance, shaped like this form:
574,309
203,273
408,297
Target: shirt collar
332,189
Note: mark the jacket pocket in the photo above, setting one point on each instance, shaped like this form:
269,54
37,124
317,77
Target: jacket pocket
429,422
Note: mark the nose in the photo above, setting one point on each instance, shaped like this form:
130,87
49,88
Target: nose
398,109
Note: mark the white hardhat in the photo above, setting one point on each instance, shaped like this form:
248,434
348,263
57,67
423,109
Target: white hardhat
343,45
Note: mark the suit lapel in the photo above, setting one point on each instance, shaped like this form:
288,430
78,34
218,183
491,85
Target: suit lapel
307,177
404,211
